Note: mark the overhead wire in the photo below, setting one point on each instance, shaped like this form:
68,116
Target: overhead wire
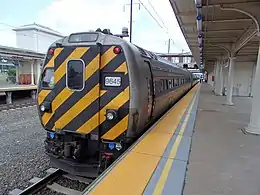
158,23
157,14
150,13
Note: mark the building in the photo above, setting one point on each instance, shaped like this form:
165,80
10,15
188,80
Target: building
32,42
35,37
180,59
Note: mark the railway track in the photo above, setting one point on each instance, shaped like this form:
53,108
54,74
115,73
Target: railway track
24,104
55,182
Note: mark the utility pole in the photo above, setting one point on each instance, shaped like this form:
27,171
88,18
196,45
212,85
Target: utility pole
169,45
131,20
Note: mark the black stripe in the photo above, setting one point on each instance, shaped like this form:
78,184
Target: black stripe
83,117
64,54
114,63
57,62
87,57
58,88
73,99
104,49
92,109
107,125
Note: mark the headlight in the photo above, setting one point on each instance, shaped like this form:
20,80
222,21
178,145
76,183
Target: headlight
45,106
42,108
111,115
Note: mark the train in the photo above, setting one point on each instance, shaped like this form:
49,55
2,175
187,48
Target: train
98,93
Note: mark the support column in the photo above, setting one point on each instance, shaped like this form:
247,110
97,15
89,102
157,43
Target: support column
221,79
38,64
33,94
32,77
8,97
214,82
230,81
254,124
17,74
217,86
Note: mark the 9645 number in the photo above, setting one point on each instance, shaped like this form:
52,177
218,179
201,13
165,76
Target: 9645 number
113,81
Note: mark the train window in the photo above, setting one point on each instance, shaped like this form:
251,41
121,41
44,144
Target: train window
170,83
83,37
176,82
48,78
162,85
166,84
75,74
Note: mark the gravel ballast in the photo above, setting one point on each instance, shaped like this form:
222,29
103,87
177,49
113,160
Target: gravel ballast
22,148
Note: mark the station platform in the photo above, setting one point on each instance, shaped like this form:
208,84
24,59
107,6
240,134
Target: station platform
222,159
7,90
156,163
14,87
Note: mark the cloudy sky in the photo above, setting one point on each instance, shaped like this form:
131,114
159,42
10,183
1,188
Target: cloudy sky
154,21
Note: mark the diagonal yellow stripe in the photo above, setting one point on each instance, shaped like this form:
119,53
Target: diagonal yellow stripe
51,62
81,105
42,95
92,67
94,121
117,130
122,68
77,53
107,57
59,99
102,92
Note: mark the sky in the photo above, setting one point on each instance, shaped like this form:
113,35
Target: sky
154,21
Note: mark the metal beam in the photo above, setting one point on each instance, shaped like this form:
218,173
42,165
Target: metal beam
228,20
251,10
230,3
224,31
248,34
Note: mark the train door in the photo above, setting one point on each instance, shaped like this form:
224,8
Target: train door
77,88
150,91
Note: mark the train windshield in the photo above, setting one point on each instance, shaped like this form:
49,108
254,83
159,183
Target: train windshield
75,74
48,78
83,37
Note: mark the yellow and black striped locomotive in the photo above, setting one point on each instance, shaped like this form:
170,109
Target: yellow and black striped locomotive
97,94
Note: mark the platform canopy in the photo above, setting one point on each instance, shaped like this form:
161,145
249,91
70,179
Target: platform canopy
218,29
19,54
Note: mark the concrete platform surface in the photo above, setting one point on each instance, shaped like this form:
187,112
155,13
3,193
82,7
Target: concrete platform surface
223,160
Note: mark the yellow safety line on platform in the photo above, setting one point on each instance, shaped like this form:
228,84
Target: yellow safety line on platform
160,184
138,166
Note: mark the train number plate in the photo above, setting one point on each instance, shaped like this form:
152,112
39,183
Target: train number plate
113,81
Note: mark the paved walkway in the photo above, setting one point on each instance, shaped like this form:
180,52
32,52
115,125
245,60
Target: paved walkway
223,159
